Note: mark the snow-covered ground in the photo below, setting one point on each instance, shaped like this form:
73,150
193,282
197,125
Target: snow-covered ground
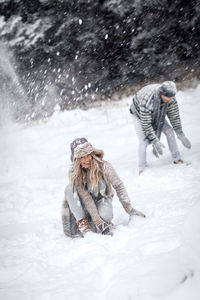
147,259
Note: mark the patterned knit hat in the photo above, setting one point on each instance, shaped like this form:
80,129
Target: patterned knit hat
168,89
80,147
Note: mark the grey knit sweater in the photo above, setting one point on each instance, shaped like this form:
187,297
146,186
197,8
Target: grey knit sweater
147,106
111,179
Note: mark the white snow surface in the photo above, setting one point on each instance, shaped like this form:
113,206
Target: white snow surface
147,259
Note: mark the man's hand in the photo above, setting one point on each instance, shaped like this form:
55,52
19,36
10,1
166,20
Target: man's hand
186,143
157,148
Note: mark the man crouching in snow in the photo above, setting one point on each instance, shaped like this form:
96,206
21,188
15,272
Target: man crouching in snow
150,106
88,199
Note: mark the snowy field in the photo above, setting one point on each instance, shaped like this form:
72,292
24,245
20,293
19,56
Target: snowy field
146,259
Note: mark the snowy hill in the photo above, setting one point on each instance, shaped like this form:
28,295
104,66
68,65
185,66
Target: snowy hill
147,259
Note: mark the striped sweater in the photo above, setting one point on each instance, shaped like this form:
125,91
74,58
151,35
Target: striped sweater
147,105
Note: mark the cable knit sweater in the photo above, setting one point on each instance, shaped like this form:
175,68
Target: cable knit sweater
111,179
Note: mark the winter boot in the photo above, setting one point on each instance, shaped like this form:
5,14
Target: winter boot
179,161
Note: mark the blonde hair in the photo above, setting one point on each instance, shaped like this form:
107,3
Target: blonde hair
78,175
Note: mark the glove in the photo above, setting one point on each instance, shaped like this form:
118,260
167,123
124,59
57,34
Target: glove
135,212
157,148
181,136
83,226
104,228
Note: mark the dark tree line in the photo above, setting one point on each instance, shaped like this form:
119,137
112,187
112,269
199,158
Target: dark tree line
96,47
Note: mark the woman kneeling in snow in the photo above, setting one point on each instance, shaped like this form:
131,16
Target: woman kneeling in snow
88,199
